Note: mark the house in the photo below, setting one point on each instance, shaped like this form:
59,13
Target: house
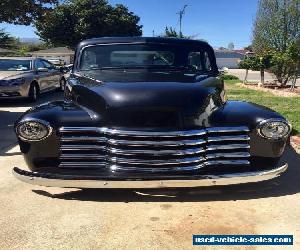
229,58
64,53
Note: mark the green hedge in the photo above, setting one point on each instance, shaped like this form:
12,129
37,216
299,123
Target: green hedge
229,77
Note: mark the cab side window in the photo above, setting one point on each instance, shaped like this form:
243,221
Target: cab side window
194,61
199,61
206,62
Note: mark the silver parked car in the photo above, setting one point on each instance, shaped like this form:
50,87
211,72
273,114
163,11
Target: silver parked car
28,77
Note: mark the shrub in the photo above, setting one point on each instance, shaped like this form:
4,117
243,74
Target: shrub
229,77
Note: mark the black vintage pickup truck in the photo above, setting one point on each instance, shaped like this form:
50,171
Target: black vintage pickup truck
145,113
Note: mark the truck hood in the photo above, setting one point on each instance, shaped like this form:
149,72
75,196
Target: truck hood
150,103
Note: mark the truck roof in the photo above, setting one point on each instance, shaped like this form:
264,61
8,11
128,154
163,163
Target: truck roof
105,40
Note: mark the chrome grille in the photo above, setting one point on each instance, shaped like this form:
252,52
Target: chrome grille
127,150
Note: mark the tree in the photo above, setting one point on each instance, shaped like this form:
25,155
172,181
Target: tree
231,46
249,48
255,63
171,32
294,52
75,20
25,48
7,41
276,29
23,11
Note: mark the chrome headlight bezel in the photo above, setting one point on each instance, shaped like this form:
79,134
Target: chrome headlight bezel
266,122
40,122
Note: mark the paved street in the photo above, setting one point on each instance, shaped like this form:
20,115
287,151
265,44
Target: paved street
34,217
253,76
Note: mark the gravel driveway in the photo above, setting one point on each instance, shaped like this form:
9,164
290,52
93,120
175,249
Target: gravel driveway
34,217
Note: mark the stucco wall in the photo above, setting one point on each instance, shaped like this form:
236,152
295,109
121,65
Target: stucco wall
231,63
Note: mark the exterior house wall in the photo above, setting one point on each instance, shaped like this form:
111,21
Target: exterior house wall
67,58
64,53
231,63
228,58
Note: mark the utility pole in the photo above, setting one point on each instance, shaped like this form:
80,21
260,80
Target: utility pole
181,13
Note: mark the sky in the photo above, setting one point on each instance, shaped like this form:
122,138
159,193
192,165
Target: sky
217,21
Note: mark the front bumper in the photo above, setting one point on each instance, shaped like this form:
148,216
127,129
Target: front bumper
12,91
71,181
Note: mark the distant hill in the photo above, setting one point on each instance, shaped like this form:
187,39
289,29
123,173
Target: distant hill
30,40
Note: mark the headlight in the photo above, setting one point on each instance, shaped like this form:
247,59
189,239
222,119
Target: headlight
17,81
33,130
274,129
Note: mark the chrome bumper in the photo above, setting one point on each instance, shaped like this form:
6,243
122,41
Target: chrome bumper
203,180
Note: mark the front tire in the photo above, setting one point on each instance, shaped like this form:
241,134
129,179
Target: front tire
33,92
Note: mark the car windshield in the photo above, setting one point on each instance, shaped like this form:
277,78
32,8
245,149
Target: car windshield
126,56
15,65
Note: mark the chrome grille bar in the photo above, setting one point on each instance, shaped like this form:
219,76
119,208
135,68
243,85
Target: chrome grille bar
83,138
155,152
117,168
74,164
82,147
181,161
152,151
228,155
228,162
229,146
229,138
156,143
133,133
82,156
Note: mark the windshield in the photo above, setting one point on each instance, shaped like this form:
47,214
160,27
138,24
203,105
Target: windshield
15,65
114,56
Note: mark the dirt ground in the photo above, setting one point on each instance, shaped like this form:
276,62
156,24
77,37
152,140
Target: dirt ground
34,217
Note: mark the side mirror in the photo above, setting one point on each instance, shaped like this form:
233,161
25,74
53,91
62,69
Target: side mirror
62,70
42,70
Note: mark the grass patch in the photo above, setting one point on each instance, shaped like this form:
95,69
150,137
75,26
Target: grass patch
232,81
289,107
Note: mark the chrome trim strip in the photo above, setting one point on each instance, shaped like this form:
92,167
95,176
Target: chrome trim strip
82,147
156,143
227,129
152,168
148,162
82,165
229,146
229,138
116,168
204,180
64,156
155,152
227,162
228,155
133,133
82,138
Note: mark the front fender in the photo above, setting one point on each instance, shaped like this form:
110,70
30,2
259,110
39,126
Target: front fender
240,113
45,153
